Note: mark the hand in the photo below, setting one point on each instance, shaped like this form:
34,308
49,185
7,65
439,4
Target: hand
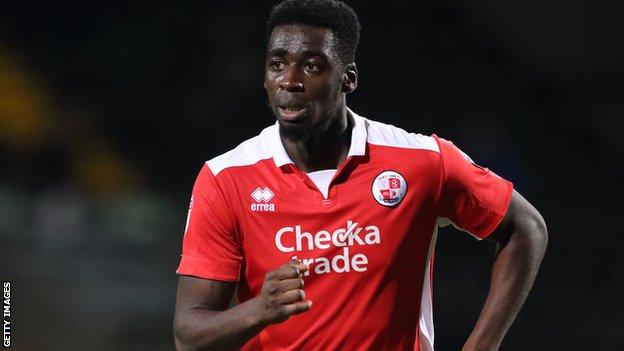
282,293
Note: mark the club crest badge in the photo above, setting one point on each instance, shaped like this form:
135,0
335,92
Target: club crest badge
389,188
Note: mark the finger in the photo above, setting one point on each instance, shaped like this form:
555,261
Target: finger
291,270
298,307
298,264
291,284
290,297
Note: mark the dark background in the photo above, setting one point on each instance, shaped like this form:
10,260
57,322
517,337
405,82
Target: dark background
108,109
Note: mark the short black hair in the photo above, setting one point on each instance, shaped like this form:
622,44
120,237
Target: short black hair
333,14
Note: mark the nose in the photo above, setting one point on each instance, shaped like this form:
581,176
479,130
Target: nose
291,80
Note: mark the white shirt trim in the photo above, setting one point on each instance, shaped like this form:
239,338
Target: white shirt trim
357,147
322,179
268,144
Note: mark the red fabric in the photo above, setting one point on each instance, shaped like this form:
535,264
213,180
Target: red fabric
474,198
210,247
376,304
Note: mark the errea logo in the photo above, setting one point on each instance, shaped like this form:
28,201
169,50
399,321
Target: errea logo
262,195
262,198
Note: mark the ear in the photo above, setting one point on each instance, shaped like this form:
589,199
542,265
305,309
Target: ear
349,78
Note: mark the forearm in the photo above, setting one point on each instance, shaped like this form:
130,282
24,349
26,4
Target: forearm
203,329
513,273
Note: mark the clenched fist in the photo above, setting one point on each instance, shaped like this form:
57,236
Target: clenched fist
282,293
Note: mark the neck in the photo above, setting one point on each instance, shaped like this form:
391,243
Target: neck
327,148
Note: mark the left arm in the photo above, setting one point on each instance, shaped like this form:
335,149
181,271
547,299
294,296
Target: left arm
522,238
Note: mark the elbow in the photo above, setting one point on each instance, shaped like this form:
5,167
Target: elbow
182,346
188,335
536,233
541,230
179,345
183,335
178,335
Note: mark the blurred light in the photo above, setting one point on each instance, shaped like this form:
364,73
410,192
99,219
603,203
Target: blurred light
25,109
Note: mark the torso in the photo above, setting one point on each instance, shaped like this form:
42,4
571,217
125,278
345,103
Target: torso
366,287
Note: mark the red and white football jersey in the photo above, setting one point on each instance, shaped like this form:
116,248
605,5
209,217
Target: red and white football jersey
369,244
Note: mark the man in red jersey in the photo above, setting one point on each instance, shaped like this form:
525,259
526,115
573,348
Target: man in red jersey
332,208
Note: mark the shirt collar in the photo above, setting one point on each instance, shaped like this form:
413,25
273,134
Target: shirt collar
357,147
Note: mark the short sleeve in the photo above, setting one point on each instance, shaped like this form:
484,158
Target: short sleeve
210,248
472,198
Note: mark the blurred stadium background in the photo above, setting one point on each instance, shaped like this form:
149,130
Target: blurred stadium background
108,109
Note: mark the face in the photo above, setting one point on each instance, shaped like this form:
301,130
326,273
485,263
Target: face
305,80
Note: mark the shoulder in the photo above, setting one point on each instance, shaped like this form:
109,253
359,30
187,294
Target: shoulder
383,134
247,153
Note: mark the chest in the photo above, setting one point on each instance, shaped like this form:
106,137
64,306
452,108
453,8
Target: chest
375,215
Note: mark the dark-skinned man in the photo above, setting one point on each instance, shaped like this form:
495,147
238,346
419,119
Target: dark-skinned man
326,221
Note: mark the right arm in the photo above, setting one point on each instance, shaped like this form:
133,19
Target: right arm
202,320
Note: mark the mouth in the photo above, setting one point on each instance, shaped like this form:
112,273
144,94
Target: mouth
290,113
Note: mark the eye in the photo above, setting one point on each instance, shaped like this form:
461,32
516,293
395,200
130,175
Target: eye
311,66
277,64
